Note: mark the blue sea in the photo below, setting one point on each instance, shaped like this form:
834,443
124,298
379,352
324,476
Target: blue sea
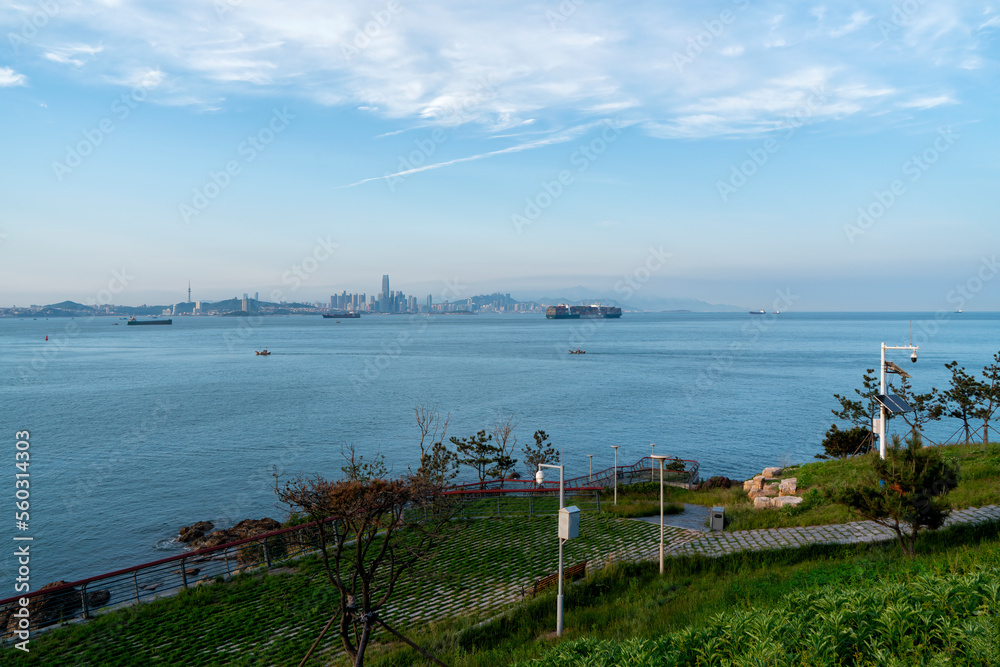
136,431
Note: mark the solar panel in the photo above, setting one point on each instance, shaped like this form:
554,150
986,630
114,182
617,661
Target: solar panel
893,368
893,403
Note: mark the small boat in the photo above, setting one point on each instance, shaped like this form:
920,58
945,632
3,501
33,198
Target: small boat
578,351
262,353
757,312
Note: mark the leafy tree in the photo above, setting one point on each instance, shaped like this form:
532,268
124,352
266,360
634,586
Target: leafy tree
540,452
962,399
503,435
923,405
479,453
356,468
373,539
989,395
861,410
438,463
842,444
904,492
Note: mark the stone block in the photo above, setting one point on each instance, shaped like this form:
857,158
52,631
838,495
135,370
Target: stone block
789,486
761,502
785,501
756,483
772,472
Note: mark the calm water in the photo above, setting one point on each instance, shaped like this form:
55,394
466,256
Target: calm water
136,431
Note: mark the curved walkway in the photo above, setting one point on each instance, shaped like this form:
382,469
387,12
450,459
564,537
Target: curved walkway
718,544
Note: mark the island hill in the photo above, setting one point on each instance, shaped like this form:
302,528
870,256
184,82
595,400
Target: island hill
227,307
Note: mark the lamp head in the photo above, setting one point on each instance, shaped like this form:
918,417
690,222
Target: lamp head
539,476
913,357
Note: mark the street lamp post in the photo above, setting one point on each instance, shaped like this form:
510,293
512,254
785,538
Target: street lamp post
615,447
539,478
590,475
881,390
661,458
651,457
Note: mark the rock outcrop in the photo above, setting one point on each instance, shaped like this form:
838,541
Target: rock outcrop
241,531
195,531
768,490
718,483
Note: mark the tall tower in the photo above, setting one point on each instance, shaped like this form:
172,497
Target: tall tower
386,307
189,291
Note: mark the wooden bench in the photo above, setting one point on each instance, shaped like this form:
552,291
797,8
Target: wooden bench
572,572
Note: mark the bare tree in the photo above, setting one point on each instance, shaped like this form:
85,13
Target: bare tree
377,530
506,441
438,463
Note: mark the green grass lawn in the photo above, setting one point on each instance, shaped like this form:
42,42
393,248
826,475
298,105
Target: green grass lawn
979,485
821,605
257,619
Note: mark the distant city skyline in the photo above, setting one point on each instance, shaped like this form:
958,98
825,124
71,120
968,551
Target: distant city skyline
719,153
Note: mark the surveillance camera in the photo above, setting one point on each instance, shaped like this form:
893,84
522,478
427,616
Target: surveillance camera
913,357
539,477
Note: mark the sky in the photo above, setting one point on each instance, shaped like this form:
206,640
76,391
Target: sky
836,156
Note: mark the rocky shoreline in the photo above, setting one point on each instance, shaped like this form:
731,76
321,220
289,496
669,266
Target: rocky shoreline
200,535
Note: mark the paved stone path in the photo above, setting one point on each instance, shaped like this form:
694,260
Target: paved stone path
718,544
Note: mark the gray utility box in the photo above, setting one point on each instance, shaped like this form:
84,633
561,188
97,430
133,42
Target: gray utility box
569,522
718,520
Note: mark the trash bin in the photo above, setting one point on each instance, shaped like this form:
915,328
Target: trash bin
718,520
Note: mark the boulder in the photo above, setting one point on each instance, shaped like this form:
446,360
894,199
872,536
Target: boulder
98,598
755,483
718,483
785,501
788,486
772,472
767,492
761,502
194,531
48,609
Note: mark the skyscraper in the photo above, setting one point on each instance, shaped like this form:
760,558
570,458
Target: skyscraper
384,304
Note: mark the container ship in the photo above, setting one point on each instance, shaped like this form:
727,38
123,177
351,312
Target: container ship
563,312
134,322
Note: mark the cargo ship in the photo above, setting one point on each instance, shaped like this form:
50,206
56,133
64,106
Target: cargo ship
563,312
135,321
341,315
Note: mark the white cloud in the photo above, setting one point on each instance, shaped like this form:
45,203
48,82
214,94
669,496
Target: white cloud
69,54
447,62
8,77
928,102
857,20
